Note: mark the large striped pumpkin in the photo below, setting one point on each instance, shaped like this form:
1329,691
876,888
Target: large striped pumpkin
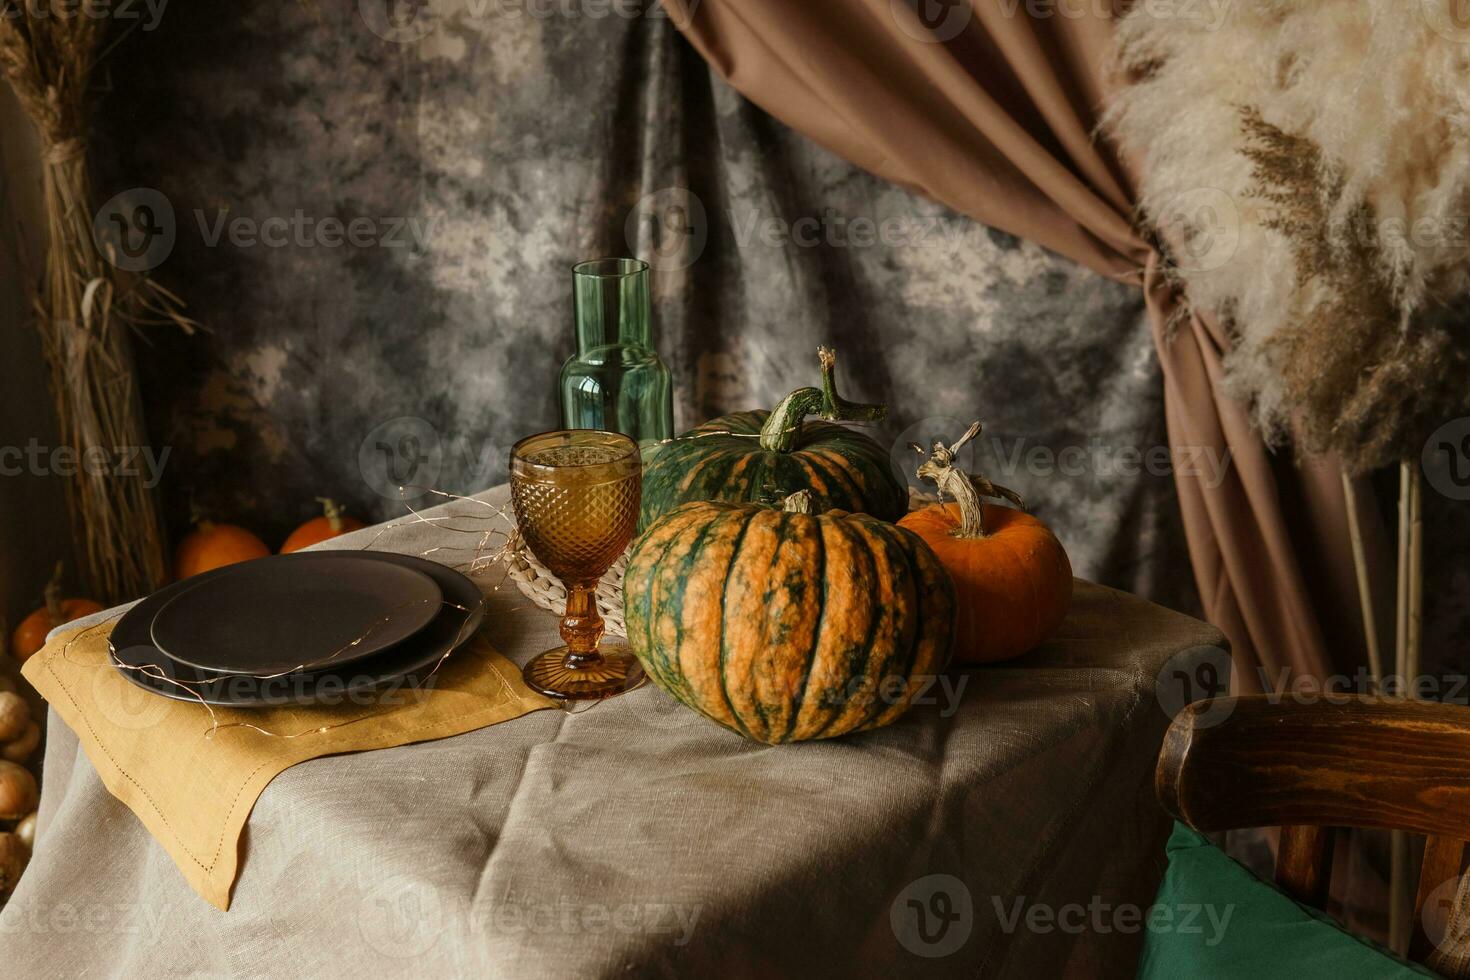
787,626
764,456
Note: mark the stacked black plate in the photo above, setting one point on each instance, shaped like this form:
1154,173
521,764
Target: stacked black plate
306,628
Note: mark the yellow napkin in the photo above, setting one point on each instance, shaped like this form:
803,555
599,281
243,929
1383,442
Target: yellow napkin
194,790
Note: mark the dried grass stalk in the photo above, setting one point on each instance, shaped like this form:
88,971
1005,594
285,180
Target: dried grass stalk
1362,374
85,309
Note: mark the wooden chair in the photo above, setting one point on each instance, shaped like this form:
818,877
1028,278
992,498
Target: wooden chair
1351,761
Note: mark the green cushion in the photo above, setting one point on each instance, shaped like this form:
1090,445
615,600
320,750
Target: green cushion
1215,919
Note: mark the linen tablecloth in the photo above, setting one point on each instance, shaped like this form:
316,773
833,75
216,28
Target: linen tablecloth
1006,829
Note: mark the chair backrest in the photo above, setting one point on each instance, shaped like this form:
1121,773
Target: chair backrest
1343,761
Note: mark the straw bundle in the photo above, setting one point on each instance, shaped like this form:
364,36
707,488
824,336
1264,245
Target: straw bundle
85,309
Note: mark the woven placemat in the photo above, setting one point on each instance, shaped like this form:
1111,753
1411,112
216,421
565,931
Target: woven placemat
544,589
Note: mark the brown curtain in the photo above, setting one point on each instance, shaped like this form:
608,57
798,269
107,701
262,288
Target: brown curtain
997,121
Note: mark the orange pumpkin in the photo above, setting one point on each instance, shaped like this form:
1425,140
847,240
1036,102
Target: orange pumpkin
212,545
1012,578
332,523
30,635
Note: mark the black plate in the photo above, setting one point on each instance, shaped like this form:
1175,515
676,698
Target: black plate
280,614
146,666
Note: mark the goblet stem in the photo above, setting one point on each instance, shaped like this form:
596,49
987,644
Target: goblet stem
576,496
582,625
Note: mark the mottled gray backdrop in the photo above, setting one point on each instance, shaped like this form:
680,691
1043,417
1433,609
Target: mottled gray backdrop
488,155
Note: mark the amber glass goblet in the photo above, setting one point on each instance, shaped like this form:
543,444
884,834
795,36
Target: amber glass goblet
576,495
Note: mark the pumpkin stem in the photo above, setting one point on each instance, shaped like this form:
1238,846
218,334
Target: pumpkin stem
54,609
333,512
799,502
967,489
197,517
783,428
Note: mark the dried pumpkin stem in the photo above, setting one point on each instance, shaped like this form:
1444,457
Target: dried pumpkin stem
54,609
972,512
333,512
967,489
799,502
783,428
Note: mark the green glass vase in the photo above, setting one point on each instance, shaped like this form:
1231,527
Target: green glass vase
616,381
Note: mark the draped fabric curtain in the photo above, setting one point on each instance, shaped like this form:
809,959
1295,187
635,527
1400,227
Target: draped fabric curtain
991,107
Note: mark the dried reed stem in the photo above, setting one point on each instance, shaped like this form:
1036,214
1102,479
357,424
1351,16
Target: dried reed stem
1400,893
1407,629
1365,585
1416,572
1401,603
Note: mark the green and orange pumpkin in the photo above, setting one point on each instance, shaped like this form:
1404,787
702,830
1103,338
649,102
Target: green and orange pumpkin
785,626
765,456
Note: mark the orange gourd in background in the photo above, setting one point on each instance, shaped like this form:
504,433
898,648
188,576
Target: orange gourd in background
30,635
212,545
332,523
1012,578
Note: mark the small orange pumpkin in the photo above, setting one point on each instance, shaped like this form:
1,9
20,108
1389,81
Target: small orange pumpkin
212,545
332,523
1012,578
30,635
